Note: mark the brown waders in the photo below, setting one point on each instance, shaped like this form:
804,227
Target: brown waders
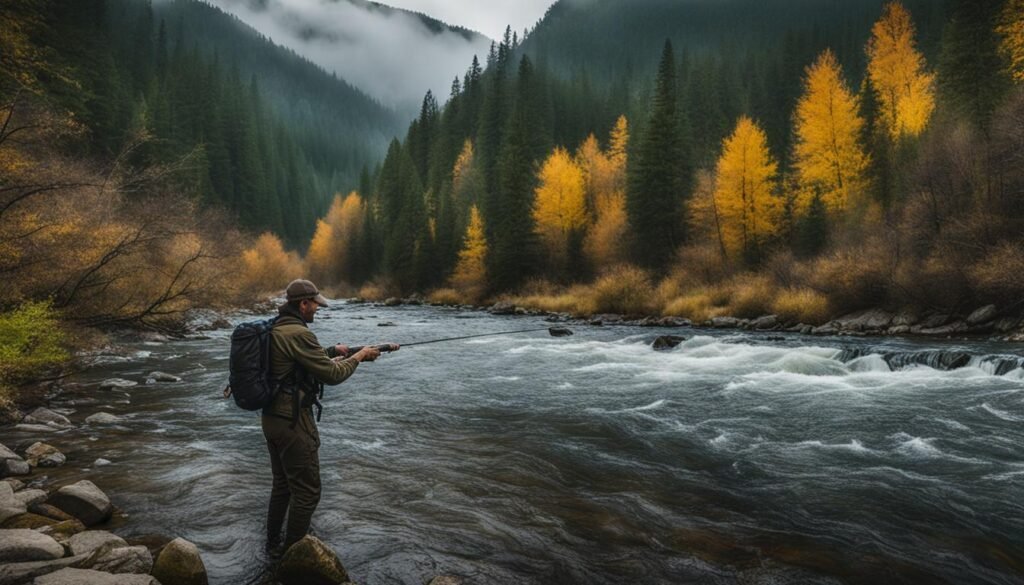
295,463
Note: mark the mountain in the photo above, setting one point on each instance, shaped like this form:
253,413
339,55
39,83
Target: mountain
392,54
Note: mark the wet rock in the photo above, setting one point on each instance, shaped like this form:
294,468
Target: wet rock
72,576
43,455
559,331
807,330
101,462
64,530
18,573
826,329
765,322
6,453
446,580
951,329
179,562
14,467
16,484
1006,324
42,416
103,418
982,315
664,342
356,301
84,501
31,497
934,321
49,511
112,383
502,308
310,562
724,322
30,428
392,302
28,520
19,545
385,324
154,542
164,377
114,558
10,506
865,320
90,540
907,318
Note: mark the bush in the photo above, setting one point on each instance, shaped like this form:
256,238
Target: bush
626,290
801,305
752,296
31,342
697,305
446,296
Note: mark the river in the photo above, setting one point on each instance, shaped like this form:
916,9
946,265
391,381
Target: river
733,458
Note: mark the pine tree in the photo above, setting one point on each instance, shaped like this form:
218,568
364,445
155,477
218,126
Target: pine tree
744,191
829,160
661,176
972,78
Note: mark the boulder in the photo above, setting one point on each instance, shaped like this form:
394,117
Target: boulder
310,562
724,322
982,315
114,558
44,415
667,341
6,453
20,545
179,562
392,302
446,580
49,511
31,428
63,530
43,455
112,383
907,318
31,497
1006,324
933,321
765,322
71,576
102,418
10,506
385,324
826,329
865,320
501,308
90,540
17,573
559,331
899,330
16,484
28,520
164,377
12,467
100,462
951,329
84,501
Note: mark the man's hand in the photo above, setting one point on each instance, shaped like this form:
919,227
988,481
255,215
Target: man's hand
389,346
341,350
367,354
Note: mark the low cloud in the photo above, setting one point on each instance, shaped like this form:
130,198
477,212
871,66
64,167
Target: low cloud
389,54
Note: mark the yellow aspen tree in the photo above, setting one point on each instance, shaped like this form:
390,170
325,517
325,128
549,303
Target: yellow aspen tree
829,159
1011,31
906,92
268,266
619,141
560,206
744,189
330,249
470,276
603,244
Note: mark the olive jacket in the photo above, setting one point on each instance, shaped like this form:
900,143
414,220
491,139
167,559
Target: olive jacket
291,343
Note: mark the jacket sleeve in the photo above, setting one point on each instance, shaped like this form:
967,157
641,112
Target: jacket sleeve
313,358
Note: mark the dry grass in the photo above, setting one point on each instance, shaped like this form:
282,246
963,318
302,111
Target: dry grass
625,290
801,305
751,296
447,296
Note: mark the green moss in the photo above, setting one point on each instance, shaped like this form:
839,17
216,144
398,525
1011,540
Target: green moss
31,342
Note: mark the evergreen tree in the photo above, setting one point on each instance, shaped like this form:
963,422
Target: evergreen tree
972,78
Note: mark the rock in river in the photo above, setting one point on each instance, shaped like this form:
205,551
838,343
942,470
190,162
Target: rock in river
112,383
10,506
164,377
21,545
103,418
43,455
90,540
90,577
311,562
667,341
113,558
44,415
84,501
180,563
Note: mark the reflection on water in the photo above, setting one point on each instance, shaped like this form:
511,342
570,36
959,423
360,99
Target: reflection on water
591,459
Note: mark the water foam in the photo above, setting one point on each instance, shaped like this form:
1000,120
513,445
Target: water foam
1001,414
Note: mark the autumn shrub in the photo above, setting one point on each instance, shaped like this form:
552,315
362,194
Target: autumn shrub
751,295
851,279
378,290
31,342
801,305
267,266
626,291
542,296
999,275
446,296
697,305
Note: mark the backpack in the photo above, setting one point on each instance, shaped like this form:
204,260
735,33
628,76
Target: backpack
250,382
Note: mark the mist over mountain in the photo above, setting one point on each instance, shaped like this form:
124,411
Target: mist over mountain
393,55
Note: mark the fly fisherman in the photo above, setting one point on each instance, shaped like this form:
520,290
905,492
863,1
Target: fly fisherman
303,367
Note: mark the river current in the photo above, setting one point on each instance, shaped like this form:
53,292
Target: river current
733,458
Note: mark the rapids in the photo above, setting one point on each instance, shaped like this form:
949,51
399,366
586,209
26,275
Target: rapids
592,458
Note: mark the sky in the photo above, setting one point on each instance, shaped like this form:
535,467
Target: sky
488,17
393,58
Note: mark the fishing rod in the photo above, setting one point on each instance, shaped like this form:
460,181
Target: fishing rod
388,347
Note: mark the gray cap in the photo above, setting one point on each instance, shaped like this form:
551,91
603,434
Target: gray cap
300,289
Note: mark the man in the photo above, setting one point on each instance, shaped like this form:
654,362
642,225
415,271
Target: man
302,367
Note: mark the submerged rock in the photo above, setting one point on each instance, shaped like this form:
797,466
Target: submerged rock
179,562
559,331
44,416
73,576
667,342
43,455
112,383
163,377
19,545
103,418
311,562
84,501
30,428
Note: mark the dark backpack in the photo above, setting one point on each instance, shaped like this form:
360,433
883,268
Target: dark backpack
250,382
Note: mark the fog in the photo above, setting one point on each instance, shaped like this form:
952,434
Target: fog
389,54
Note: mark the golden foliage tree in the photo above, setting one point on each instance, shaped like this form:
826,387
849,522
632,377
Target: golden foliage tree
560,206
470,276
829,159
605,175
744,191
906,92
329,257
1011,31
268,266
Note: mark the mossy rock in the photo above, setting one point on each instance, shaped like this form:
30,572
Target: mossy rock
179,563
311,562
28,520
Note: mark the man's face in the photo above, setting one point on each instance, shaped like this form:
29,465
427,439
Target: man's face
307,309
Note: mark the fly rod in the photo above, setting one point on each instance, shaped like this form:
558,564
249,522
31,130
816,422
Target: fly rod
554,331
